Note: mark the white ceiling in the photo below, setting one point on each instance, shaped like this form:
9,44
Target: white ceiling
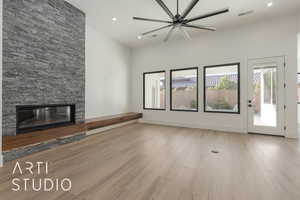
126,30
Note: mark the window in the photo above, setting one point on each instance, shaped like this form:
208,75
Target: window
298,86
154,90
184,89
222,88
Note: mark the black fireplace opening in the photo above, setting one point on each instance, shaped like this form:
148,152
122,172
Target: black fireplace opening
40,117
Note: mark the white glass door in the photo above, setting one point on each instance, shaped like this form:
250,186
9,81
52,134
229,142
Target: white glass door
266,96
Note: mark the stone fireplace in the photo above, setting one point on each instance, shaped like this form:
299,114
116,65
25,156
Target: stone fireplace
43,63
39,117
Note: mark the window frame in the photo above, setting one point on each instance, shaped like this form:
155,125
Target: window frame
239,88
154,72
197,98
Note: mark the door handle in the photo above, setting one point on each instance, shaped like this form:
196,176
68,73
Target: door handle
249,105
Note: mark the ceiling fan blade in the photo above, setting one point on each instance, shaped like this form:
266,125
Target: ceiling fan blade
158,29
189,8
165,8
210,14
200,27
185,33
151,20
169,34
177,10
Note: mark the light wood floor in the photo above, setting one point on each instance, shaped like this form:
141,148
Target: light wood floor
147,162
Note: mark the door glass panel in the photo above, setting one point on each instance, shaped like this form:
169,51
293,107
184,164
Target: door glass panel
264,100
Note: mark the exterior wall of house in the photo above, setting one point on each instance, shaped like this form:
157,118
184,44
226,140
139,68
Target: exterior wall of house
276,37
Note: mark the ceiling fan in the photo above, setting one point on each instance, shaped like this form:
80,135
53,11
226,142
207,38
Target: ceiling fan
181,20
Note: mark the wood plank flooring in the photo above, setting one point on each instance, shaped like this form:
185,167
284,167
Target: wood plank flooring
148,162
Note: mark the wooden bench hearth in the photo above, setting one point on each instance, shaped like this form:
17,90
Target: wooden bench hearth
11,143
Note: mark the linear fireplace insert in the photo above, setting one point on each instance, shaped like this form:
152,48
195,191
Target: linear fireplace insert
39,117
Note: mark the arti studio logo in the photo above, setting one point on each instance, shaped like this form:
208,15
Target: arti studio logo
46,184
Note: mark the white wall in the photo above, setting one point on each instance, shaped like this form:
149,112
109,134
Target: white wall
264,39
108,65
107,74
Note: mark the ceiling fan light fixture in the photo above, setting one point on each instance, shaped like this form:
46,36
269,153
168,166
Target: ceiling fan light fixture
139,37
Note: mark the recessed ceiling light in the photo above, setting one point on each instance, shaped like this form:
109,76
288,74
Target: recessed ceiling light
139,37
114,19
270,4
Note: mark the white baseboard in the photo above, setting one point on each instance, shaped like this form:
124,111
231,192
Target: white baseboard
205,127
99,130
